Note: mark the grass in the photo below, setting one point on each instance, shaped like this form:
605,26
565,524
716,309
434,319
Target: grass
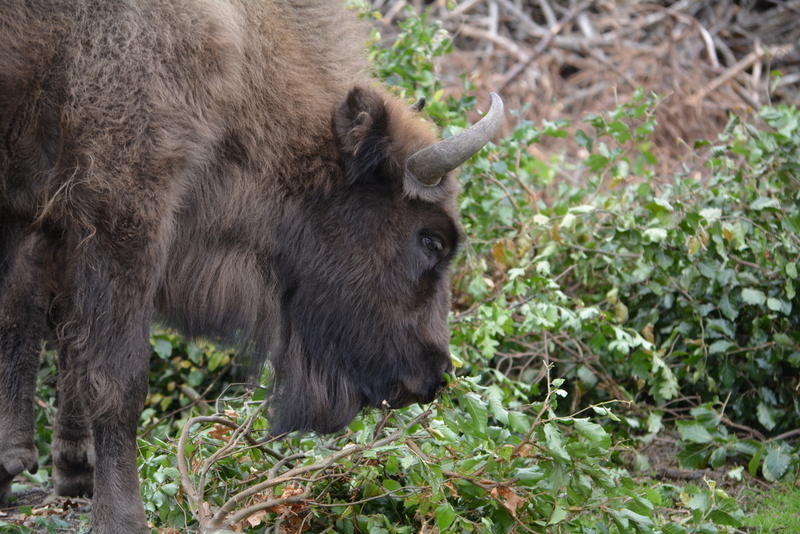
776,510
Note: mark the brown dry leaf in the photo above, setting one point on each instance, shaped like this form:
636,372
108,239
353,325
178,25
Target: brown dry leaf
221,432
453,492
168,530
508,498
525,450
499,253
257,518
647,333
47,510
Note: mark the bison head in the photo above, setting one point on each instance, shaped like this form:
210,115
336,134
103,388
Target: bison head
365,275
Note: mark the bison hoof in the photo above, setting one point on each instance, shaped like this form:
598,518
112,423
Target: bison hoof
73,468
12,463
73,480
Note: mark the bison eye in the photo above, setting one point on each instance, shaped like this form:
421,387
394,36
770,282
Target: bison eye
432,244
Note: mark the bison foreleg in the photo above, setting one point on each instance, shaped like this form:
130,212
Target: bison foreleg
103,332
22,324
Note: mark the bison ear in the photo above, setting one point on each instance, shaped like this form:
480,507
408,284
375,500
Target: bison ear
361,127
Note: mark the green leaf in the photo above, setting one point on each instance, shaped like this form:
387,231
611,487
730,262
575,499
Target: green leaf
555,442
445,515
162,347
171,489
529,476
693,431
727,308
718,457
518,421
584,140
673,528
753,296
694,456
558,515
391,485
477,412
638,518
774,304
775,465
755,461
655,235
720,347
764,202
711,214
593,432
765,417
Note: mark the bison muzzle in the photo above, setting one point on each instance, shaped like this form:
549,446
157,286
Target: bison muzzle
229,169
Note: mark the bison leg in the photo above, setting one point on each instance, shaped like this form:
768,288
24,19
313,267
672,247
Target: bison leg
119,384
73,447
22,323
103,332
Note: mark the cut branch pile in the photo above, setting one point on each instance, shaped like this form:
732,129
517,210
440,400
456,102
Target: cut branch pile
566,58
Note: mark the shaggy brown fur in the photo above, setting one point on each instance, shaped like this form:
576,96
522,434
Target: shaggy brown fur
228,168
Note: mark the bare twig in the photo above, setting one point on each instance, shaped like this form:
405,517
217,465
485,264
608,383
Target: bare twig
547,38
743,64
227,515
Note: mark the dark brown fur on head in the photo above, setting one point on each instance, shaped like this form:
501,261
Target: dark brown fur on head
343,296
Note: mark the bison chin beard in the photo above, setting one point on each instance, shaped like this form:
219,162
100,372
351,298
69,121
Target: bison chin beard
324,399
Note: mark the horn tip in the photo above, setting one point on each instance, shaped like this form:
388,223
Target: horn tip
496,100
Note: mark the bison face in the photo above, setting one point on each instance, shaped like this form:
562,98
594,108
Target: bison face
365,277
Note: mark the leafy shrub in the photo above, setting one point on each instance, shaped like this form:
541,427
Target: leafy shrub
465,464
182,375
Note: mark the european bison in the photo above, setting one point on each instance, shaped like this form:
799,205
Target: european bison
229,168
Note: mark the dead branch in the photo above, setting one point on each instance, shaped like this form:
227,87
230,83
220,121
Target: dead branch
230,512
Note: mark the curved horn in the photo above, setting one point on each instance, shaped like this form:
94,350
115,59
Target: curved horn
429,164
